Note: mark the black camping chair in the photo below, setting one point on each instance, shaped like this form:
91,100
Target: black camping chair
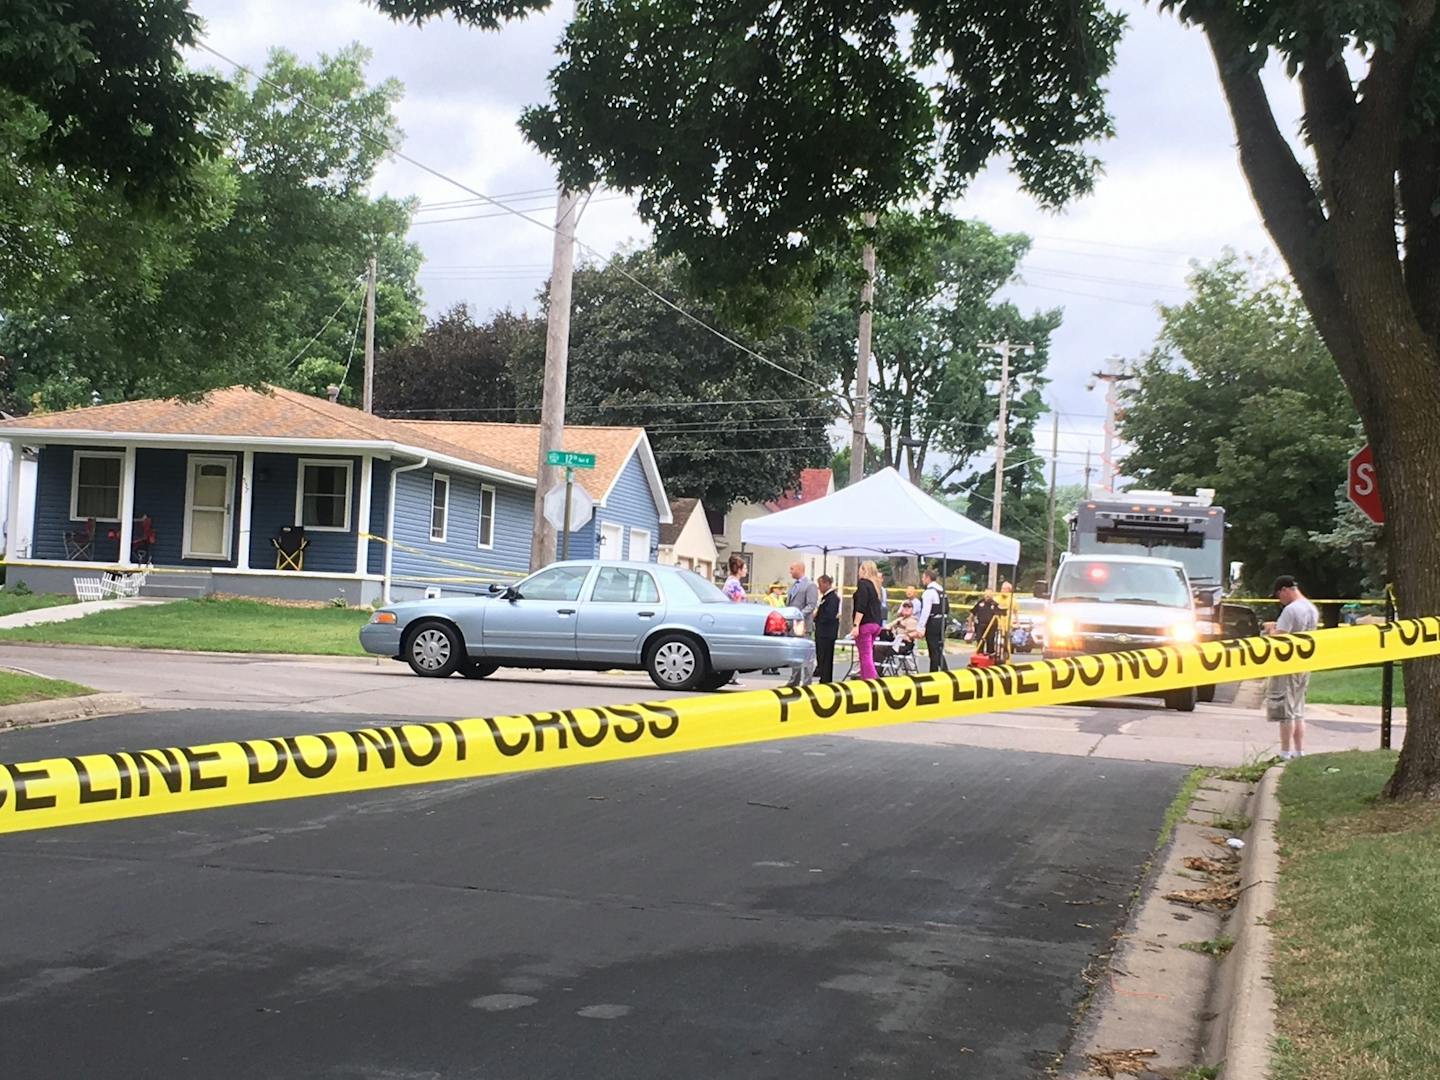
290,547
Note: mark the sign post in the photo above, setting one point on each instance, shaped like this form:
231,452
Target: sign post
569,461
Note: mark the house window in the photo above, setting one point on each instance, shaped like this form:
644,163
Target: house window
487,516
95,486
439,507
322,496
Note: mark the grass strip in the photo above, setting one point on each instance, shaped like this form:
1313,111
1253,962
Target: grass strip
17,687
210,625
1357,925
1353,686
12,603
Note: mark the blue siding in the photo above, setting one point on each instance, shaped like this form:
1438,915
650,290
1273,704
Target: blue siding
419,566
159,492
379,502
276,476
631,504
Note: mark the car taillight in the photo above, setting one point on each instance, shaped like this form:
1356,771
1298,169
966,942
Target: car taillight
775,625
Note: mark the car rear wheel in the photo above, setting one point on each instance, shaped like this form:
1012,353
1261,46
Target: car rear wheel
478,669
434,650
716,679
676,662
1181,700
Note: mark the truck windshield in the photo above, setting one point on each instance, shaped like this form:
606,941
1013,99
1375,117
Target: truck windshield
1121,583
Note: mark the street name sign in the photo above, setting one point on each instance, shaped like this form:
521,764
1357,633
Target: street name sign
568,459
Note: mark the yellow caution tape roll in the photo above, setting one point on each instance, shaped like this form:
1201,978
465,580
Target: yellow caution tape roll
135,783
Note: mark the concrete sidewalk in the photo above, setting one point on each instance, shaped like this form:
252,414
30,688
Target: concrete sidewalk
66,612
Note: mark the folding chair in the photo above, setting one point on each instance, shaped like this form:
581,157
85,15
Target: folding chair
290,547
80,543
897,659
142,536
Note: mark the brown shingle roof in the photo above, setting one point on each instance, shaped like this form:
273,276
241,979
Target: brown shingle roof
518,446
242,413
680,511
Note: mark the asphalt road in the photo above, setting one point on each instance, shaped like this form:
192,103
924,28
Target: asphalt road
820,908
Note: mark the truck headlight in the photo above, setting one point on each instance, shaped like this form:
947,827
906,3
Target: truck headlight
1183,632
1062,626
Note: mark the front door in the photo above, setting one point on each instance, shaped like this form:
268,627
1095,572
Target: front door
208,498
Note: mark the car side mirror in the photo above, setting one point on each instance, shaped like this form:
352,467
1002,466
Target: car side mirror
511,593
1041,590
1208,596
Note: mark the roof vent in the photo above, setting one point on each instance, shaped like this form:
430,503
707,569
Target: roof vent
333,393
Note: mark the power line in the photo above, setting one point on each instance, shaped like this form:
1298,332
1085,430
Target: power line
333,315
1147,304
389,147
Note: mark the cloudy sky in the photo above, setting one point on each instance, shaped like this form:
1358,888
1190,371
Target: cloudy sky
1172,190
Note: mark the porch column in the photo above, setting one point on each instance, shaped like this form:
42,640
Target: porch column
12,507
362,517
127,505
247,500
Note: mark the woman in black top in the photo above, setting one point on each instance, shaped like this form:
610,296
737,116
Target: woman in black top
869,617
827,628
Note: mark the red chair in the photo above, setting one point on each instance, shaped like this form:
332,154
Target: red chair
142,538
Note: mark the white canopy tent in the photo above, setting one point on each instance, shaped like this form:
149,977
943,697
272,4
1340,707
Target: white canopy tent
883,514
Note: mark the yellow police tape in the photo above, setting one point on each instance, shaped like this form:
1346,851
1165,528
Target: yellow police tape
135,783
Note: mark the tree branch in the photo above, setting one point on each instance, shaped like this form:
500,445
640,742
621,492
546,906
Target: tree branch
1420,210
1330,107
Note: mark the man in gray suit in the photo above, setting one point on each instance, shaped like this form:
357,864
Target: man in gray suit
805,595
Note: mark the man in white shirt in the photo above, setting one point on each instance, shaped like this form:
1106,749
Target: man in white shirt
933,609
1285,694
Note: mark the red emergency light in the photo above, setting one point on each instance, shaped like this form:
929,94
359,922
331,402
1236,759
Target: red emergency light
1098,573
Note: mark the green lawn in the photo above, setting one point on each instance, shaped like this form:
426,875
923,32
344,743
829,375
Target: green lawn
1353,686
16,687
1357,925
211,626
11,602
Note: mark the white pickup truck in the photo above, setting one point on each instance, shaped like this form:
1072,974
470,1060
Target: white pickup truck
1110,603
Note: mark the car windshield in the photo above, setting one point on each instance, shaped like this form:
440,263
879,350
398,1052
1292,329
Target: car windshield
1121,583
705,592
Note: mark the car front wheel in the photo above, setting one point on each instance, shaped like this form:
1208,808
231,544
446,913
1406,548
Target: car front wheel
434,650
676,662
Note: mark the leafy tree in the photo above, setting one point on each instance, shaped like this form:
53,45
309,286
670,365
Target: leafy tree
234,287
725,426
756,132
106,96
1241,395
931,376
458,369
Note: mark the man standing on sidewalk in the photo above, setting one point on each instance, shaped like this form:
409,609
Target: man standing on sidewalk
934,607
805,595
1285,694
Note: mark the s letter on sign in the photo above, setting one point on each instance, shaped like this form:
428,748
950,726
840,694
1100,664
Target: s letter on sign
1364,487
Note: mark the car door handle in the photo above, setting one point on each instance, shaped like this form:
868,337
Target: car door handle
566,611
646,614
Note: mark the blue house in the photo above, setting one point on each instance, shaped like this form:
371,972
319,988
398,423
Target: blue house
214,496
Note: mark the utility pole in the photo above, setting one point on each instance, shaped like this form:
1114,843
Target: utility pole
557,355
1050,503
860,400
1113,374
1006,349
368,397
1088,471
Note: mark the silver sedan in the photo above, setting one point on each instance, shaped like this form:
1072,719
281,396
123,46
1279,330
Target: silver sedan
594,615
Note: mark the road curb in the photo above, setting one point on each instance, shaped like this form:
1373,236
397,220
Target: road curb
1244,1000
59,710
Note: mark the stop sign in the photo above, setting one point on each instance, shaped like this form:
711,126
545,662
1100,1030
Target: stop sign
1363,489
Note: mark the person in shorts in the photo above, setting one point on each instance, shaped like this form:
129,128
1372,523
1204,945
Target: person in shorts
1285,694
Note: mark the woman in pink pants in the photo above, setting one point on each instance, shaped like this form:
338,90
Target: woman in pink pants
869,617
